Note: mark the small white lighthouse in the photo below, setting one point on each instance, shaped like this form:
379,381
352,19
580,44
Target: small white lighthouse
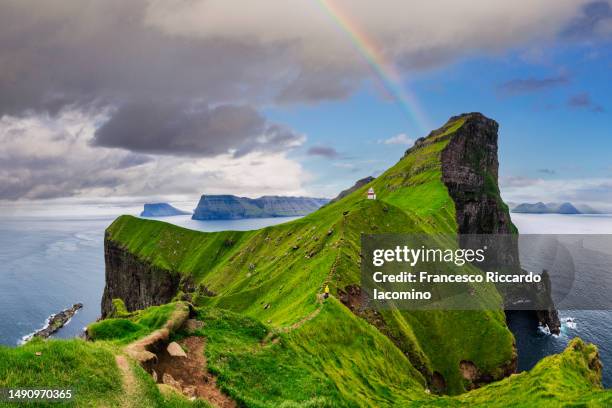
371,194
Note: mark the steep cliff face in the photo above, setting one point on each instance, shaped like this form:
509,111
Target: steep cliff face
469,171
138,283
230,207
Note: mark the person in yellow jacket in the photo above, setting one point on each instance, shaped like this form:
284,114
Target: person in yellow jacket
326,292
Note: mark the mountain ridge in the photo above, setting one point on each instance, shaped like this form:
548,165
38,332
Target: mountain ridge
228,207
548,208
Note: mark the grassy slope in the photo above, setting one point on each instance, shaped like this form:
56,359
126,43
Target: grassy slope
90,369
326,366
273,275
128,327
286,265
571,378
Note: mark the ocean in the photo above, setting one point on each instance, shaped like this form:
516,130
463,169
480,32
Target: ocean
593,326
48,264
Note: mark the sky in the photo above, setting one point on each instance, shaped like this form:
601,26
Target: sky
114,103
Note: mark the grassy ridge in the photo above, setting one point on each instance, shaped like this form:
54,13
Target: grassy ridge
128,327
275,273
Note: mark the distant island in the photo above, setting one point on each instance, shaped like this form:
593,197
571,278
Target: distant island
161,210
554,208
230,207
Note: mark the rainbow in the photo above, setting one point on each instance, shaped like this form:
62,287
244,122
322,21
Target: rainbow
384,69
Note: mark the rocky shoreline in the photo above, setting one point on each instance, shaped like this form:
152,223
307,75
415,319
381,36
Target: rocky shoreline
55,322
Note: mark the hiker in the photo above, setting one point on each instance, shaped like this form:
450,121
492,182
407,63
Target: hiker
326,292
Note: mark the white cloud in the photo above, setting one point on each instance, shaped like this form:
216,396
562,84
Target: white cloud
596,192
44,158
416,32
342,165
400,139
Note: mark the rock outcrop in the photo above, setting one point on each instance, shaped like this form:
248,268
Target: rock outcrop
161,210
230,207
55,322
358,184
135,281
470,173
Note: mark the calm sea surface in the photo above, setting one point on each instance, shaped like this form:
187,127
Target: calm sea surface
48,264
591,325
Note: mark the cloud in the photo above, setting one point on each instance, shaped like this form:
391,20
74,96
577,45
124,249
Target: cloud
549,172
58,53
593,191
348,166
517,181
50,157
400,139
132,160
583,101
594,20
323,151
175,129
112,96
527,85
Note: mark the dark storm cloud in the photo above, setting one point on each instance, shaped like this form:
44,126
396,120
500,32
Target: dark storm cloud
323,151
186,130
59,53
583,101
526,85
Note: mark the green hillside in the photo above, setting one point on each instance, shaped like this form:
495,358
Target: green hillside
273,341
287,265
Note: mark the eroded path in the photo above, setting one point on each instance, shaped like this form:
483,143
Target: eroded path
129,382
190,374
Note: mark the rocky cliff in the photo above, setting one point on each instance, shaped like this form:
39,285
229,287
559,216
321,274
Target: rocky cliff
358,184
161,210
230,207
470,173
138,283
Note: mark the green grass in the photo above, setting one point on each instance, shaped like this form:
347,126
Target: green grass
267,280
123,330
274,274
566,379
89,370
273,375
337,361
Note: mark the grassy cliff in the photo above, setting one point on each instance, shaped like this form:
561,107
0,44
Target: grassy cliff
274,274
272,341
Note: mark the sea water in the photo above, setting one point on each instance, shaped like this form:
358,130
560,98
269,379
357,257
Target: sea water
48,264
595,326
